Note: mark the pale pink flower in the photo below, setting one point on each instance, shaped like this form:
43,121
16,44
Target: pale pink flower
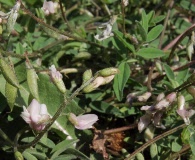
54,73
56,78
183,112
48,7
35,115
83,121
144,97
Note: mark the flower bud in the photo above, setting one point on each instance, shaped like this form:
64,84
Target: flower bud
171,97
87,75
13,16
159,67
181,102
94,85
10,94
108,71
160,97
149,133
8,73
191,90
144,97
56,77
108,79
190,46
32,83
18,155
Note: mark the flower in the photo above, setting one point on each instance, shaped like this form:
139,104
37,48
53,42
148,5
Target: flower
83,121
144,97
183,112
48,7
35,115
107,32
56,78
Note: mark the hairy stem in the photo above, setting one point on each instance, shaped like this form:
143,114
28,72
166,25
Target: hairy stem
132,155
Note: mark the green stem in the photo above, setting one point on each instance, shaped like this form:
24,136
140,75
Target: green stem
5,137
154,140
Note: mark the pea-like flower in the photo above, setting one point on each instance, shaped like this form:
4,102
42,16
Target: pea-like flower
36,115
83,122
183,112
48,7
56,78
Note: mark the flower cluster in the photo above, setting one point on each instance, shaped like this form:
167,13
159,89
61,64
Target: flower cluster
155,112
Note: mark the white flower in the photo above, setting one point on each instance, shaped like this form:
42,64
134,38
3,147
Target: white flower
48,7
56,78
36,115
107,32
83,121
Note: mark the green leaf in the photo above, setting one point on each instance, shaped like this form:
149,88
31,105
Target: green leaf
53,99
19,48
169,72
120,80
120,36
192,143
141,31
154,33
149,53
61,147
158,19
28,156
144,21
150,16
175,146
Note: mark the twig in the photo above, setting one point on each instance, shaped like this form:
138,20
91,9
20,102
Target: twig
154,140
165,25
121,129
180,38
5,137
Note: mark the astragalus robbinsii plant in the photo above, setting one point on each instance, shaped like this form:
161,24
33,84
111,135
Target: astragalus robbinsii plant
97,80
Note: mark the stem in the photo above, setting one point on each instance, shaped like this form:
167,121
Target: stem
121,129
180,38
57,114
154,140
165,24
5,137
70,36
123,16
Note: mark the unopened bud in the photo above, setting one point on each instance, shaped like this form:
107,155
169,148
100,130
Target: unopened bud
144,97
181,102
171,97
159,67
83,56
149,133
108,79
13,16
56,77
32,82
190,46
191,90
10,94
87,75
8,73
108,71
95,84
18,156
160,97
